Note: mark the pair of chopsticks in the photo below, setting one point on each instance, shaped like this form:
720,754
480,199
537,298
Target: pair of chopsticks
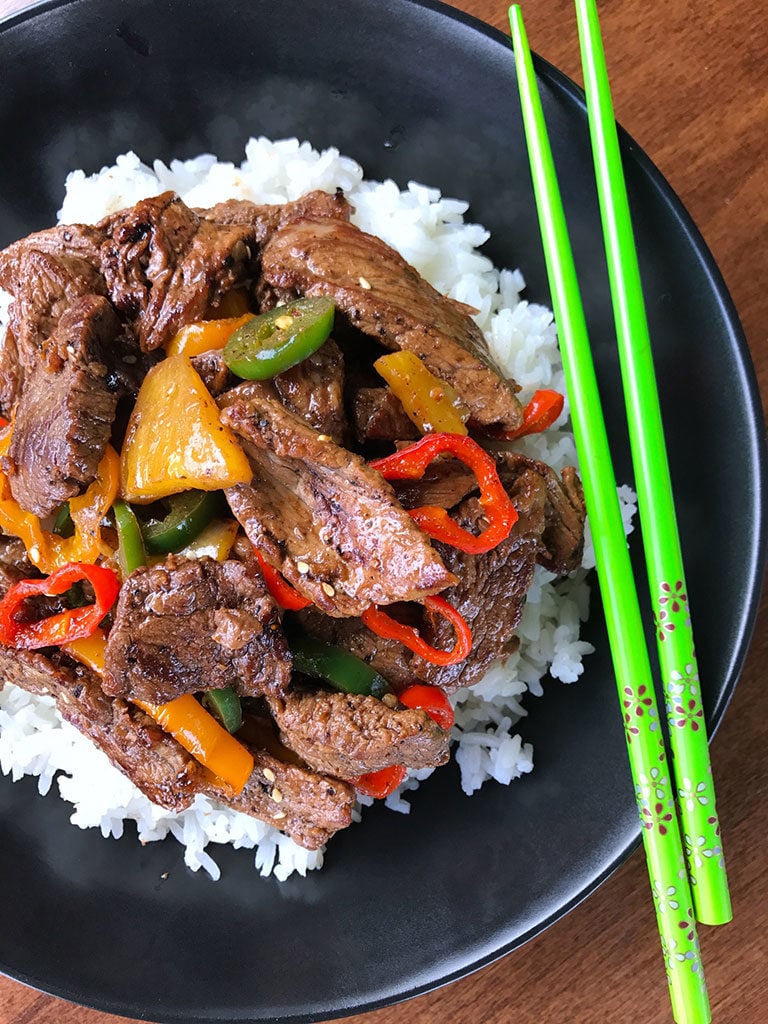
687,877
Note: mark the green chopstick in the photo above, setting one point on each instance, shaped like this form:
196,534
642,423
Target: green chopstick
664,560
645,744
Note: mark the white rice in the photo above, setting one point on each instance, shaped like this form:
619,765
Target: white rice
430,232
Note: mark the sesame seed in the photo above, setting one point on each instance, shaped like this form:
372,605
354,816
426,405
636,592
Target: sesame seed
276,795
328,589
323,437
269,775
279,815
280,303
70,350
390,700
284,322
365,283
302,567
34,553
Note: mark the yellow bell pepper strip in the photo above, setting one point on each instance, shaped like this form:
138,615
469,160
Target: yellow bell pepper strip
275,341
215,541
72,624
89,650
234,303
205,335
184,718
207,741
175,441
47,550
411,462
429,402
385,626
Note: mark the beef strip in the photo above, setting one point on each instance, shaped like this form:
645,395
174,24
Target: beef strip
64,415
195,624
215,373
166,267
266,219
314,390
346,734
562,541
307,806
491,588
382,295
327,521
379,416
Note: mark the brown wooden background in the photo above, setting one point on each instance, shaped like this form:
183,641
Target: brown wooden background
691,85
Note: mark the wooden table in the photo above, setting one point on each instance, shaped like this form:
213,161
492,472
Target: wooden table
691,89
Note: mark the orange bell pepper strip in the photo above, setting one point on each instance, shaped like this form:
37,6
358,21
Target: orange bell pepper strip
429,402
205,335
185,719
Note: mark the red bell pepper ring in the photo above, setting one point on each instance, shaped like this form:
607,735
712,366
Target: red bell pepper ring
282,591
385,626
381,783
63,627
539,414
430,699
410,464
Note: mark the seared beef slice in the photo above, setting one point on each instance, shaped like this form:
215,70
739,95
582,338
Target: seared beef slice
316,512
383,296
346,734
195,624
165,267
64,416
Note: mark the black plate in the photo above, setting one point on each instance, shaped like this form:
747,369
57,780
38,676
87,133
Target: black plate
412,90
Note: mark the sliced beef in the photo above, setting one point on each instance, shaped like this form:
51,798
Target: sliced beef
266,219
346,734
306,806
445,483
314,390
44,285
215,373
491,588
14,565
165,266
327,521
64,415
382,295
11,373
562,542
195,624
379,416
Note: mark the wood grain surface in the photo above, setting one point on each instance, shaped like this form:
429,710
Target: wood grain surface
691,86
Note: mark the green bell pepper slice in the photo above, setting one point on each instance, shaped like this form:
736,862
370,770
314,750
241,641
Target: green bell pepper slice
342,669
172,523
224,704
275,341
130,544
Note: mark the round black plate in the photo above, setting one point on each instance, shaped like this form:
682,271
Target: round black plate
413,91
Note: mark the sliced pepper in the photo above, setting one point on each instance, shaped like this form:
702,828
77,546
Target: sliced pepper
282,591
207,741
337,666
62,627
90,650
381,783
62,524
539,414
410,464
275,341
178,520
224,705
175,441
385,626
130,548
430,699
429,402
205,335
215,541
